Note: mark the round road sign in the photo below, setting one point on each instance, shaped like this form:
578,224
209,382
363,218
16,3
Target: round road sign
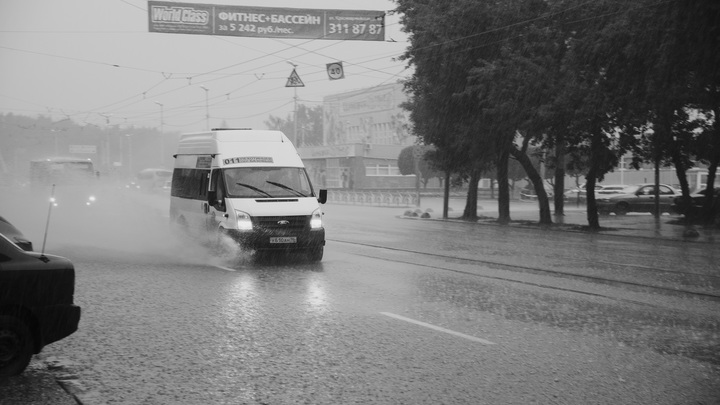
335,71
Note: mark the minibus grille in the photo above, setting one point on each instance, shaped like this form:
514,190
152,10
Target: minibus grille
282,222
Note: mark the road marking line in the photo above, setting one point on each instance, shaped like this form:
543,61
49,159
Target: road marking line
438,328
225,268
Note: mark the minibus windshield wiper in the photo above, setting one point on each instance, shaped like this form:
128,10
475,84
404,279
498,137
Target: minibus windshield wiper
290,189
253,188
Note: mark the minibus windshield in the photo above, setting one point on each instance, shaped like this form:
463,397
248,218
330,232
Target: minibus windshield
267,182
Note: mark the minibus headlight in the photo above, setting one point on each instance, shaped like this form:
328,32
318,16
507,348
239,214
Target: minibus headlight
316,219
244,223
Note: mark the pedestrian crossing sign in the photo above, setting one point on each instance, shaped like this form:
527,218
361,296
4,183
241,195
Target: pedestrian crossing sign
294,80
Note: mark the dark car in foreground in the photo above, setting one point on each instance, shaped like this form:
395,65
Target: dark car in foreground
639,198
694,208
14,234
36,304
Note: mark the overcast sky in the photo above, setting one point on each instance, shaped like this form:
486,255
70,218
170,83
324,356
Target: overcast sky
95,61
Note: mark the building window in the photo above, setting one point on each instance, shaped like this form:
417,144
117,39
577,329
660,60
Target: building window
382,170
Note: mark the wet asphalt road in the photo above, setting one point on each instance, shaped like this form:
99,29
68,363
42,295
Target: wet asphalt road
399,311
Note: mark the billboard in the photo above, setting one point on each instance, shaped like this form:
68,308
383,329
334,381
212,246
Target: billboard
265,22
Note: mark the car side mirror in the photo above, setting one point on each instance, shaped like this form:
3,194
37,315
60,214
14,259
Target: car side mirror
322,199
215,202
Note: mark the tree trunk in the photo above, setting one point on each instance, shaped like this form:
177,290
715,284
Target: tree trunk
538,183
591,180
681,174
470,213
446,196
503,187
708,214
559,186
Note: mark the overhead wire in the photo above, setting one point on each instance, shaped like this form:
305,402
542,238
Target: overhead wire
114,107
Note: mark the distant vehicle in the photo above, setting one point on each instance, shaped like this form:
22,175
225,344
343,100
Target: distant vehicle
697,202
578,194
132,185
612,189
251,186
61,170
36,304
14,234
152,179
528,192
639,198
75,180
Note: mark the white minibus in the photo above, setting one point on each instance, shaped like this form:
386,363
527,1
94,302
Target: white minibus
250,185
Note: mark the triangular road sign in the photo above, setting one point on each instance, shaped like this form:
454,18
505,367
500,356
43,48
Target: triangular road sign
294,80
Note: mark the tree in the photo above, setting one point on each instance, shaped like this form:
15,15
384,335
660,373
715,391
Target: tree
509,89
424,170
442,54
309,125
583,80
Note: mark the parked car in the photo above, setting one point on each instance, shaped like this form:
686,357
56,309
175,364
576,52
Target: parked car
14,234
528,192
639,198
36,304
580,194
697,201
612,189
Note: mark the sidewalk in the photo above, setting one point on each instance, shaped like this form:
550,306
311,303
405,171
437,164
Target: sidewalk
527,214
40,384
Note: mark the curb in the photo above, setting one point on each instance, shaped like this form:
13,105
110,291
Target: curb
689,235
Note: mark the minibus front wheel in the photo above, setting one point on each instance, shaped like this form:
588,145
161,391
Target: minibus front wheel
315,254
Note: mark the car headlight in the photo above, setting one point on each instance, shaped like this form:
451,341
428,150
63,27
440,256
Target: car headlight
244,223
316,219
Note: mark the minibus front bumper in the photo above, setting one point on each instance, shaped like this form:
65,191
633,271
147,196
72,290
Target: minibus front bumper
264,240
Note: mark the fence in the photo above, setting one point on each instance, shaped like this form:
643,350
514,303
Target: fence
375,198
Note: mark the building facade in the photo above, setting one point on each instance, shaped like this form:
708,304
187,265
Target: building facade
363,134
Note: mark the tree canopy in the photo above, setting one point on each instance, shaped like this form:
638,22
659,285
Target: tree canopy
589,82
309,125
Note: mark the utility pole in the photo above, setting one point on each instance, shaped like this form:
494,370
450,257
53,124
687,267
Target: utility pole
295,119
162,139
295,82
417,155
129,154
207,108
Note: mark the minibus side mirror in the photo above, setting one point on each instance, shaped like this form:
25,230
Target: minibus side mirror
212,197
322,199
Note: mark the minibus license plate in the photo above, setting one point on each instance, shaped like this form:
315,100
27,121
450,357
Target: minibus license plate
283,239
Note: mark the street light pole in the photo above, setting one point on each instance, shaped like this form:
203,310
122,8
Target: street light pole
162,139
130,154
295,109
207,108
